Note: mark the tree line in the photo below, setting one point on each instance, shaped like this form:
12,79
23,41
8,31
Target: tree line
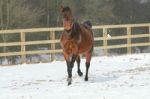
45,13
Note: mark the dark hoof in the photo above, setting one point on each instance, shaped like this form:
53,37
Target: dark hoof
69,83
80,73
86,79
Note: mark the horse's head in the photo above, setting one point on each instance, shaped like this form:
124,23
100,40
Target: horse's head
67,17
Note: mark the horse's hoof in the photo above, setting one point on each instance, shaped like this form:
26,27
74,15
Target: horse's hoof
86,79
69,83
80,73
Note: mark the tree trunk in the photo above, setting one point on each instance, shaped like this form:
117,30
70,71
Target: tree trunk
1,14
8,15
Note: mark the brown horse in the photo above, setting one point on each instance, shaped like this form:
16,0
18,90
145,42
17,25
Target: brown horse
76,39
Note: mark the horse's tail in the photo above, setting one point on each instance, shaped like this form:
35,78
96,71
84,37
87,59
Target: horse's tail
88,23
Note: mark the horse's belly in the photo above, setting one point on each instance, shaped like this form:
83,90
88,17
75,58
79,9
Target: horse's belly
86,46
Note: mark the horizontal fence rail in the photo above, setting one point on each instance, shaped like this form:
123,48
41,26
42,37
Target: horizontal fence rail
53,41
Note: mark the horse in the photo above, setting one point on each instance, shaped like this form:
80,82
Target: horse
76,39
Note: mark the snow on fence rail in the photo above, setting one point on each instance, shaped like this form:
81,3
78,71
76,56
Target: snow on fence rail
52,41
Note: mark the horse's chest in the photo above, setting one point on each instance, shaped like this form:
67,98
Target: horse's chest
70,47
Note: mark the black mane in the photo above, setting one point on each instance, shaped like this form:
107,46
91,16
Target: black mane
76,30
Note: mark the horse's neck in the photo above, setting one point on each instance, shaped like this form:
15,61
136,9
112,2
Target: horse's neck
76,28
76,31
74,34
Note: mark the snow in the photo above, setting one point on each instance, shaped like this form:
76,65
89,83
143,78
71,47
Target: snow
113,77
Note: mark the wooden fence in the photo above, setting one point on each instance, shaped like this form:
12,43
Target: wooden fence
52,41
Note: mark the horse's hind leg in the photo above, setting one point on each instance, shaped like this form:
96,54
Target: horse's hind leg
78,64
87,70
88,59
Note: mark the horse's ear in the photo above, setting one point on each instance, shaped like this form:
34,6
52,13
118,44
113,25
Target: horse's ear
61,8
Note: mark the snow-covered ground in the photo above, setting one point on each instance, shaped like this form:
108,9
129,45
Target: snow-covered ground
115,77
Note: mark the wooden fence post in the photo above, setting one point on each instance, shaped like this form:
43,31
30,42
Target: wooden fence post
129,40
105,41
23,48
52,37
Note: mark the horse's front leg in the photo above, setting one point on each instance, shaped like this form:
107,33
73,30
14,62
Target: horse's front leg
70,65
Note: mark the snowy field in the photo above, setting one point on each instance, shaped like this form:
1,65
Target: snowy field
114,77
